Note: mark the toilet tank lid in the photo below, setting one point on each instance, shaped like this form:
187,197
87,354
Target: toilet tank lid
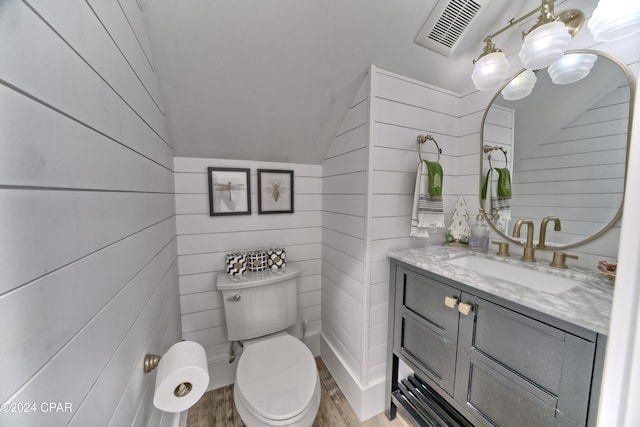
255,278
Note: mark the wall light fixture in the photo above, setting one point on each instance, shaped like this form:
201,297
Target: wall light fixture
520,87
615,19
545,43
571,68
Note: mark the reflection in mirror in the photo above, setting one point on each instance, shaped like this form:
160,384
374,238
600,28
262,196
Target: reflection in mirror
562,152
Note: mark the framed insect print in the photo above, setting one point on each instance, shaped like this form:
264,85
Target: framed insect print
229,191
275,191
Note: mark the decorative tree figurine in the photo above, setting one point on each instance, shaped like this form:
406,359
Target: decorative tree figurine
459,229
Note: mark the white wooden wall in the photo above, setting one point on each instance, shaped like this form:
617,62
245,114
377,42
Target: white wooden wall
368,181
88,260
473,106
344,233
402,109
204,241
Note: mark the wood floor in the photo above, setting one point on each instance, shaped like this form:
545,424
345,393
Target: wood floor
216,408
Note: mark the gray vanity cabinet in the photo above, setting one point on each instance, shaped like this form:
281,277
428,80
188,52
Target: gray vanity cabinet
492,365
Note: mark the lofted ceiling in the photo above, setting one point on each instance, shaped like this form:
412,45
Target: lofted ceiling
271,80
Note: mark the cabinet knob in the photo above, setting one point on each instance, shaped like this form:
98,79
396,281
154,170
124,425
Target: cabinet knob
465,308
450,302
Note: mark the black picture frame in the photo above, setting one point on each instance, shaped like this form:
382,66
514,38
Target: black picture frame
229,191
275,191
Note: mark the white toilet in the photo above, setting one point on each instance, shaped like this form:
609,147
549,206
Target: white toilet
277,381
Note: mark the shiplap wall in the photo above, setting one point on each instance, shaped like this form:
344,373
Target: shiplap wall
344,233
402,109
204,241
368,181
88,259
473,106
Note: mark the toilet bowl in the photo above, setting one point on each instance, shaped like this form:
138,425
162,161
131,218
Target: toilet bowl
277,383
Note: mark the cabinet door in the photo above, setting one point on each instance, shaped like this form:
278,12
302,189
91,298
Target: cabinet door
426,328
514,370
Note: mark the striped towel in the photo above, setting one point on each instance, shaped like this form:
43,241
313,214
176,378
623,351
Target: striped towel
497,189
427,209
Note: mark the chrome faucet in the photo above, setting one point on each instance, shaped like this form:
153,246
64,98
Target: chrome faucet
529,250
543,229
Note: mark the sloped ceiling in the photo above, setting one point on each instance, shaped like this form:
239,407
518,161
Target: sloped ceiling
272,79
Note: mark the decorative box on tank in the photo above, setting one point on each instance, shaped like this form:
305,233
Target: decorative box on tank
257,260
236,263
276,258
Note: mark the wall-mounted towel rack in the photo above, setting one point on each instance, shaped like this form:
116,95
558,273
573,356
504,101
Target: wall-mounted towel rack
424,138
490,149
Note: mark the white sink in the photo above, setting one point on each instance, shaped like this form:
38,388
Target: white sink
533,279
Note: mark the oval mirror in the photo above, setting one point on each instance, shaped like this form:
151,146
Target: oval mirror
560,151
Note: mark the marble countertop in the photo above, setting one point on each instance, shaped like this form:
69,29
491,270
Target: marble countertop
587,305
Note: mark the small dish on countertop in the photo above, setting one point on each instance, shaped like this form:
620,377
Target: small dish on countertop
608,268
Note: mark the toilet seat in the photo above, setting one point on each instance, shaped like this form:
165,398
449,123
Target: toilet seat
277,381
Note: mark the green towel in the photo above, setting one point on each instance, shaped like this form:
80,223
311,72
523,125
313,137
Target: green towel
504,183
434,172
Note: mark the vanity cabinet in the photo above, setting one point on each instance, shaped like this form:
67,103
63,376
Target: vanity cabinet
484,362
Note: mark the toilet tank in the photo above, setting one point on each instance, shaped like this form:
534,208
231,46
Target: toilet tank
259,303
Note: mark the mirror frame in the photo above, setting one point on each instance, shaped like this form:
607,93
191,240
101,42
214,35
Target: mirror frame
618,215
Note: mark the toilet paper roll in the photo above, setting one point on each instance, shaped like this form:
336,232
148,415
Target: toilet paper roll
182,377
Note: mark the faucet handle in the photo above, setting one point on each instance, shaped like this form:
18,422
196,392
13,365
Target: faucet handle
560,259
503,248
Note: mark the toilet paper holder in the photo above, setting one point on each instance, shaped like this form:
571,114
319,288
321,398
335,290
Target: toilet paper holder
151,362
182,376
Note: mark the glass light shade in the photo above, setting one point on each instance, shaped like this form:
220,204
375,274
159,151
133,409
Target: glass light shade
490,71
520,87
544,45
614,20
571,68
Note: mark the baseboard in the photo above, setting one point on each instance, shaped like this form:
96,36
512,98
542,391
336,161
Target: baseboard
182,420
365,401
223,373
313,342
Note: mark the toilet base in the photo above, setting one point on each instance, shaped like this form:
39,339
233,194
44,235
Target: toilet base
306,421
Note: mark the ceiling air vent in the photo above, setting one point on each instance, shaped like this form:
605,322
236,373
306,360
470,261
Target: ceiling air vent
448,23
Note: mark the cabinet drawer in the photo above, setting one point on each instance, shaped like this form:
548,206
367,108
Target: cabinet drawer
431,352
426,297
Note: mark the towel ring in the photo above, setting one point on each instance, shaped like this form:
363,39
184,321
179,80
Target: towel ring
424,138
489,149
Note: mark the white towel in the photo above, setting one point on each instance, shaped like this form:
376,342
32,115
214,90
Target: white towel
500,207
426,212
